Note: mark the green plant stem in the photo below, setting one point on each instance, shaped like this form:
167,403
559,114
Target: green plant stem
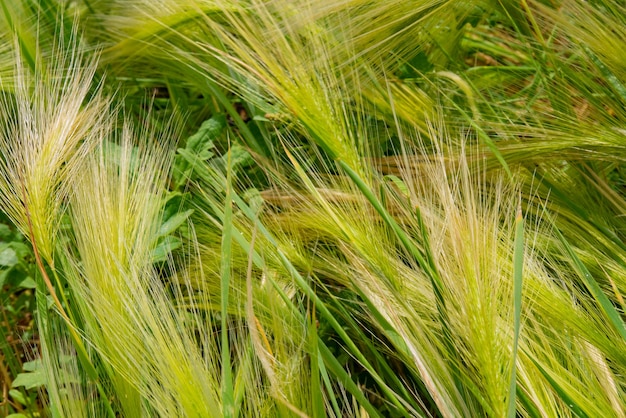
228,407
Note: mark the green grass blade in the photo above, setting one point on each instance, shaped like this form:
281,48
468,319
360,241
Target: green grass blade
593,286
424,262
317,395
43,325
28,51
402,235
240,386
569,401
225,267
385,371
346,380
251,141
528,405
518,265
329,388
10,360
328,316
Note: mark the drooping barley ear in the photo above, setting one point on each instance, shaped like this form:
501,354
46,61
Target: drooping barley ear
46,128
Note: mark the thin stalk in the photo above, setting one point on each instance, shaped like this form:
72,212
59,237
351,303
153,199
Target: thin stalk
42,324
228,406
518,265
317,394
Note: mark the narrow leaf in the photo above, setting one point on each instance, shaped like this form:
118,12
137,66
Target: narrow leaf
228,406
593,286
518,265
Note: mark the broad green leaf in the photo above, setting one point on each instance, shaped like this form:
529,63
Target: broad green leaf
19,397
34,378
8,257
198,148
210,129
27,283
171,224
165,248
5,232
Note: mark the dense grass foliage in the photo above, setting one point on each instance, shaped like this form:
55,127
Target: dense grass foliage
313,208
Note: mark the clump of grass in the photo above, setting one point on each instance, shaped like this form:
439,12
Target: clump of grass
130,321
396,247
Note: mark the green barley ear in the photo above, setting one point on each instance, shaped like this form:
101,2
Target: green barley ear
46,128
147,345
